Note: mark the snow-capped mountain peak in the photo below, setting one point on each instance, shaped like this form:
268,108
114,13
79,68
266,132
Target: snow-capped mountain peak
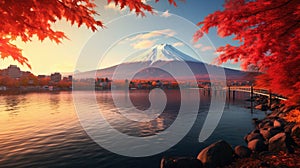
162,52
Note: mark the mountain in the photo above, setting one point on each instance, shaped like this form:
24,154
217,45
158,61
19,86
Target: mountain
160,60
162,52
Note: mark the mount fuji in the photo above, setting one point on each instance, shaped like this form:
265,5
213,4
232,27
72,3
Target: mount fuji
165,56
162,52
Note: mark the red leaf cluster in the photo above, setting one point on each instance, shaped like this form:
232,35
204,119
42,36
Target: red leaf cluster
268,34
25,19
28,18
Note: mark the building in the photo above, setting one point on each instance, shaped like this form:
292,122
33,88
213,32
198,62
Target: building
55,77
70,77
12,71
41,76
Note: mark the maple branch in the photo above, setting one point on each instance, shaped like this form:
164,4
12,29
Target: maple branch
289,28
268,9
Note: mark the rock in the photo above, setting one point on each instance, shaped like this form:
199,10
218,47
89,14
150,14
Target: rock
274,106
296,131
257,145
180,163
261,107
255,131
267,123
216,155
277,123
265,133
275,113
242,151
288,127
286,109
253,136
278,143
269,132
255,121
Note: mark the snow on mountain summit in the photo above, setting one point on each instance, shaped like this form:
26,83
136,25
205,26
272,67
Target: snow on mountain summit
162,52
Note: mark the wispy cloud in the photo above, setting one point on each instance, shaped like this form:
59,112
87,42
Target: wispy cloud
112,6
206,48
147,40
152,34
177,44
198,45
166,14
218,53
144,44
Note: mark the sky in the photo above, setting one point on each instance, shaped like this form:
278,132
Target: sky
125,35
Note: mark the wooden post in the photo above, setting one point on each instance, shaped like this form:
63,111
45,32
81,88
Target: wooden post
233,94
251,97
229,92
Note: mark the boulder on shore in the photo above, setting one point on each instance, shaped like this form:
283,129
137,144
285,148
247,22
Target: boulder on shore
278,124
261,107
279,142
216,155
257,145
253,136
180,162
296,131
266,123
270,132
242,151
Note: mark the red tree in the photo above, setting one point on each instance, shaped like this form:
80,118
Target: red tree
268,34
27,18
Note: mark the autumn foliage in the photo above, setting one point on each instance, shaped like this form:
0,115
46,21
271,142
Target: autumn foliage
28,18
269,39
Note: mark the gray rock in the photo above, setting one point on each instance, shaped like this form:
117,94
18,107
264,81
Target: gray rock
242,151
257,145
252,136
180,163
216,155
279,143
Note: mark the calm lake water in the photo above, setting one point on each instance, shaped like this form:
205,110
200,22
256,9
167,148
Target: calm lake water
42,129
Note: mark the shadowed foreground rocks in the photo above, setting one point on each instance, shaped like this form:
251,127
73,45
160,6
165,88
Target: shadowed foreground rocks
242,151
273,143
217,154
180,163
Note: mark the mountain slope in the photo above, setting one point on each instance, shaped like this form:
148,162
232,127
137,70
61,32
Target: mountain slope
162,52
151,63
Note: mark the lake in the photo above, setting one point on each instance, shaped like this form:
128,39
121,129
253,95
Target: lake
42,129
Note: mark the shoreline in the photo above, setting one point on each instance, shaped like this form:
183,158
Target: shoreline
274,142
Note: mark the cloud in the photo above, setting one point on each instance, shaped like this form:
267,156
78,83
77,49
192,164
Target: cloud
144,44
147,40
114,7
177,44
206,48
152,34
218,53
166,14
198,45
146,1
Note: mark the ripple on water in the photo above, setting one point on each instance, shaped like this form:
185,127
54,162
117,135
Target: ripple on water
42,130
